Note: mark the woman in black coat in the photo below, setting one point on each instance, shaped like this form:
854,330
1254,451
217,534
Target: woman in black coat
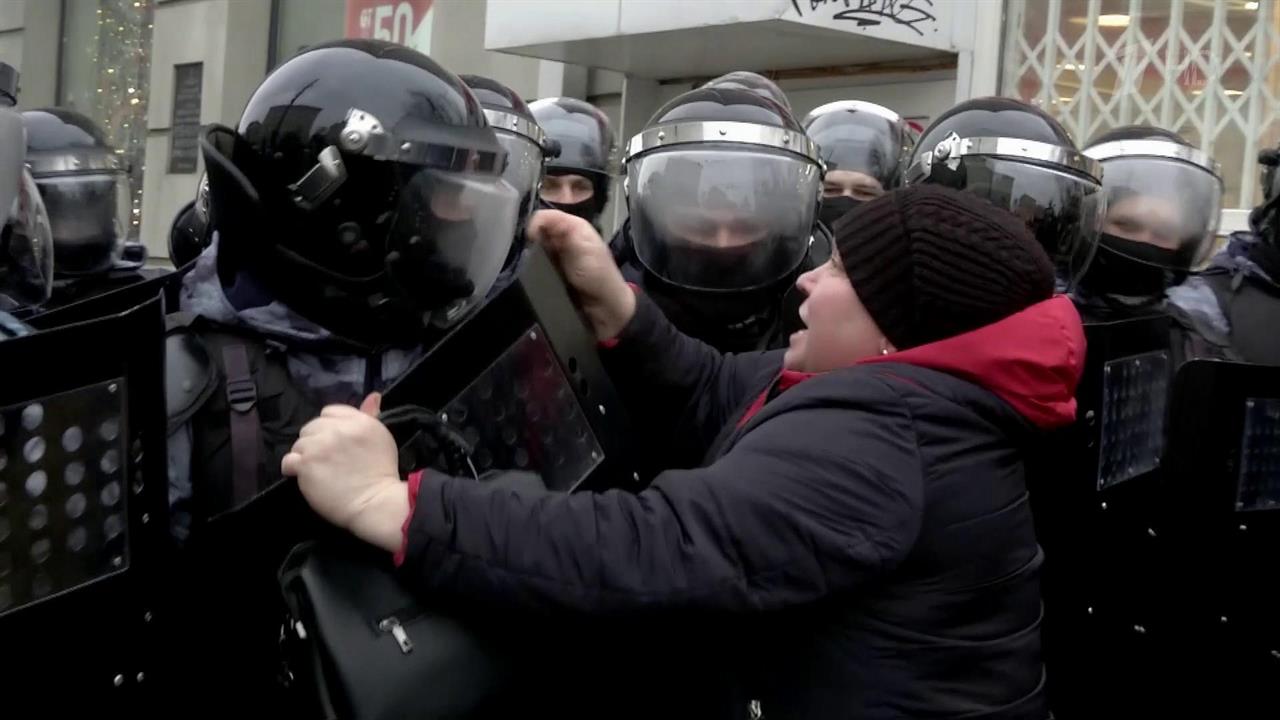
862,511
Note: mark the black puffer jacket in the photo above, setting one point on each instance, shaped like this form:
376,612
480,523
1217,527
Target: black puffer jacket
866,531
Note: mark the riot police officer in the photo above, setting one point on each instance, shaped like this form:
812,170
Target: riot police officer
723,189
577,181
865,148
359,211
26,244
754,82
1163,203
1238,295
1019,158
527,150
85,186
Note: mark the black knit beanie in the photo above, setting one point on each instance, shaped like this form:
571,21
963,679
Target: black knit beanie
930,262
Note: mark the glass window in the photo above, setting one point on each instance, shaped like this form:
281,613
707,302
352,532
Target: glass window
105,74
1206,69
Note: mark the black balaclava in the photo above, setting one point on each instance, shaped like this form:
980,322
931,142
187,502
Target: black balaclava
834,208
589,209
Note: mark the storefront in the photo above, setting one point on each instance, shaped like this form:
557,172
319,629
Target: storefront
1205,69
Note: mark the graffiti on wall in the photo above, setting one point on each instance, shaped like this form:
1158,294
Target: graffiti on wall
913,14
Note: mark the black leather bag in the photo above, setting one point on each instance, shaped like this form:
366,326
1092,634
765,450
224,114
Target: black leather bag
361,646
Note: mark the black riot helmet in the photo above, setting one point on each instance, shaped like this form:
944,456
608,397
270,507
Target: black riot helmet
26,241
586,142
85,186
190,233
363,188
864,149
753,82
524,141
723,189
1264,220
1163,203
1019,158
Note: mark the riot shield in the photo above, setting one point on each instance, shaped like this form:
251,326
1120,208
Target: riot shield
1224,476
1096,493
83,513
524,384
521,386
113,301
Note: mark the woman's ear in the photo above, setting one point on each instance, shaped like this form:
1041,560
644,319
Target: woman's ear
887,347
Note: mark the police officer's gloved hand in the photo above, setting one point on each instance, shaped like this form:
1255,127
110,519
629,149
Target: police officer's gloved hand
587,265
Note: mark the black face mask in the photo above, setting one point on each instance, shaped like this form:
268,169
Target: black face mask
835,208
1133,269
585,209
729,322
692,264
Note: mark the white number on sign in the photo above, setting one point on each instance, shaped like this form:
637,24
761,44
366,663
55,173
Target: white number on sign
401,21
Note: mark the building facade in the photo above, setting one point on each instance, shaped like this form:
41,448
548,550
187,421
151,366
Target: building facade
151,72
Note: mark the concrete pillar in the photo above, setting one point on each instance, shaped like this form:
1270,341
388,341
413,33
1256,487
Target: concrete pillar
640,98
41,44
11,26
978,70
230,37
557,79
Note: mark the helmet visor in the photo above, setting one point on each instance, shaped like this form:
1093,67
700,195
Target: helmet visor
863,149
721,218
453,233
89,215
1163,202
1063,209
523,171
26,250
584,142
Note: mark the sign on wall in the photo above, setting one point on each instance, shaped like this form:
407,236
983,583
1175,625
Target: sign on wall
407,22
184,132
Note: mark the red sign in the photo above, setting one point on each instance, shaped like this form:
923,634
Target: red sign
407,22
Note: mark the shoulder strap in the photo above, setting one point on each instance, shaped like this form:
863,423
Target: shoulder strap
248,420
246,427
189,374
1224,285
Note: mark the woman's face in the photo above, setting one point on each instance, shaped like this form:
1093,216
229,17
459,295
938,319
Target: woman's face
838,329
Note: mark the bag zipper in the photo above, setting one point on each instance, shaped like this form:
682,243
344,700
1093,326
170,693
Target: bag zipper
392,625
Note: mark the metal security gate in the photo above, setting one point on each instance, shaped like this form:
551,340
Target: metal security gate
1207,69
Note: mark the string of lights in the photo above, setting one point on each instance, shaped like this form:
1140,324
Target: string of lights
118,54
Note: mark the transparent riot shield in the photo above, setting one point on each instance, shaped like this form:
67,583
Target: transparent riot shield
1096,492
1224,473
83,508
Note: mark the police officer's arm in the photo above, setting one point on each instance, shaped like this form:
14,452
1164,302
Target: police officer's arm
788,516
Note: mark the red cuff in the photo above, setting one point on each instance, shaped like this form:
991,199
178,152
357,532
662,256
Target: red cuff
415,482
613,341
